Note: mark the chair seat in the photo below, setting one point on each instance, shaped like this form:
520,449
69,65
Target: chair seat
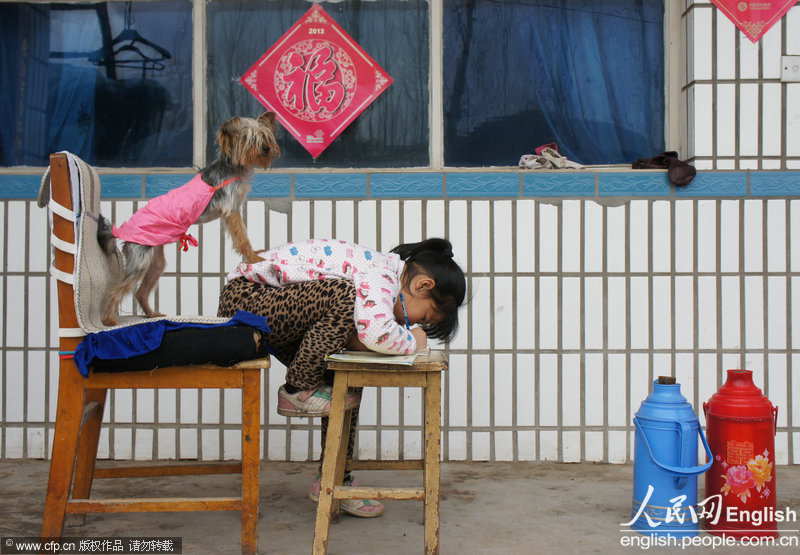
201,376
256,363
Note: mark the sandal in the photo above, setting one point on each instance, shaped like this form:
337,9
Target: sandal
312,402
362,508
679,172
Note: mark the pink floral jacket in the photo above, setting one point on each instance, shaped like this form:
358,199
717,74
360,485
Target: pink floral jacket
376,276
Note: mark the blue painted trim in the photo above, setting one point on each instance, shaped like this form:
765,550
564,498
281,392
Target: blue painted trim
482,184
406,185
552,184
715,184
775,183
121,186
19,187
545,184
270,185
644,184
158,184
331,185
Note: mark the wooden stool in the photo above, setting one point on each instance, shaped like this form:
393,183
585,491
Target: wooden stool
425,373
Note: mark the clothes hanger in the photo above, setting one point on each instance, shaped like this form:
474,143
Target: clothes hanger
143,61
131,34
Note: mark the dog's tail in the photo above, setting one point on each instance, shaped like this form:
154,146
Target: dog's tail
105,237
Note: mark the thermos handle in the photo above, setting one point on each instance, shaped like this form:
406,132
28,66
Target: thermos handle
774,420
679,470
686,445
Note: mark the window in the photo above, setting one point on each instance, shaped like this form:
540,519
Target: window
109,81
586,74
393,131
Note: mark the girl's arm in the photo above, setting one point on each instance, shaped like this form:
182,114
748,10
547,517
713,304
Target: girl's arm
376,326
419,335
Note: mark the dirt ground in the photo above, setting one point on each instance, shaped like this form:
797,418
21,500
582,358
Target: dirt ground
487,508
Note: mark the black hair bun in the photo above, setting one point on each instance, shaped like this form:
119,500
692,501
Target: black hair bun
442,246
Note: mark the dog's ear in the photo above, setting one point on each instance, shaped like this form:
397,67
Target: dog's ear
226,137
268,118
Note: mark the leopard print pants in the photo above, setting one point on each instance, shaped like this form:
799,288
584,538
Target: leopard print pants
308,321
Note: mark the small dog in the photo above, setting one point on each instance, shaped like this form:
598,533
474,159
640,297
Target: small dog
218,191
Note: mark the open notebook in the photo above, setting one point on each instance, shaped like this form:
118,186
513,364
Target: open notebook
369,357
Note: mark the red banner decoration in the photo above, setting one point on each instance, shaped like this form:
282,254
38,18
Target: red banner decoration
316,79
754,18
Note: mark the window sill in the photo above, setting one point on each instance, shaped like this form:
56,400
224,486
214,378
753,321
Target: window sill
598,183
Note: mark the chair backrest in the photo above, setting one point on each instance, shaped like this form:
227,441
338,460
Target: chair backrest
56,193
71,190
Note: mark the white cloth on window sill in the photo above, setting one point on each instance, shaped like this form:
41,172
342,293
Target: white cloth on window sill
549,159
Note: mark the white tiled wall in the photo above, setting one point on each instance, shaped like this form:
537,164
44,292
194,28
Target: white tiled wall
740,115
562,335
573,308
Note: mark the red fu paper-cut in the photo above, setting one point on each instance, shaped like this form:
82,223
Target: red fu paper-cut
316,79
754,18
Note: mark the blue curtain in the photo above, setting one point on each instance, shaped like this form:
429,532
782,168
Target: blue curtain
54,96
587,74
70,125
24,49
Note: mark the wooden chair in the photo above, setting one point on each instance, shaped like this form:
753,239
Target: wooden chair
81,402
425,373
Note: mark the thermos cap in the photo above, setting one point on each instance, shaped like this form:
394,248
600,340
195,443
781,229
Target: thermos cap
739,397
665,403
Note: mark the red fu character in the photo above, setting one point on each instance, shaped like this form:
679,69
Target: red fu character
313,82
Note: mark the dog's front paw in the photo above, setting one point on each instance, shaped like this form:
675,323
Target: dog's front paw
110,321
152,314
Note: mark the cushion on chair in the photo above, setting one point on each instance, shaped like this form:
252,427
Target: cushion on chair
223,346
161,343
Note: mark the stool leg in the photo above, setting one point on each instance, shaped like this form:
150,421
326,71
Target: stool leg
65,447
432,457
95,400
341,460
251,459
334,445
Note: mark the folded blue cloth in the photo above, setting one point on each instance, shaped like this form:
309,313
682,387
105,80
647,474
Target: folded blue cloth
143,338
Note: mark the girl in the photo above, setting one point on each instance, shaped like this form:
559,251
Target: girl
321,295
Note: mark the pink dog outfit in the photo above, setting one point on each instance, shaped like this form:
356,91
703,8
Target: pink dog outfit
166,218
376,276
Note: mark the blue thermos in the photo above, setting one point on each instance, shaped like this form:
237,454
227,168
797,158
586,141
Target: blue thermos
665,465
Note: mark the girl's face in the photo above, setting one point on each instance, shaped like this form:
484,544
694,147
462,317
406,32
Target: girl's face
420,305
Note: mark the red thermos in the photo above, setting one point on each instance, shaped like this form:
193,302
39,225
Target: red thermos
740,426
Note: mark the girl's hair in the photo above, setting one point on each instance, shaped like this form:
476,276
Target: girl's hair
434,258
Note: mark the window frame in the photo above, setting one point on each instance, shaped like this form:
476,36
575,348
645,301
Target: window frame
675,64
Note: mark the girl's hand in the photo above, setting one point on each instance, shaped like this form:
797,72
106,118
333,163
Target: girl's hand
421,337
